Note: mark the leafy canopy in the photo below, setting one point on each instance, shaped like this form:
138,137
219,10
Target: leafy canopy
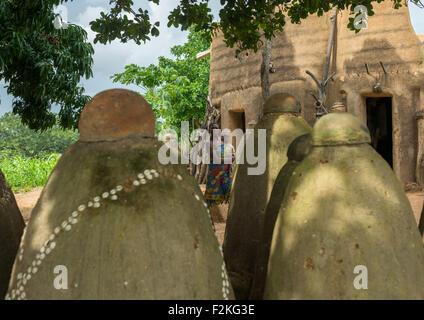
17,140
41,65
243,23
176,88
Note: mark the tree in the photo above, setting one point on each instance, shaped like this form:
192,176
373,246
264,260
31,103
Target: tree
17,139
419,3
176,88
41,65
243,23
246,25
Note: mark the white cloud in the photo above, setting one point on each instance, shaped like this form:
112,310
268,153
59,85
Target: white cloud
158,46
95,1
90,14
113,57
417,18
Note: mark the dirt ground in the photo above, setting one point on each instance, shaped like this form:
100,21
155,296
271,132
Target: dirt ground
27,201
416,199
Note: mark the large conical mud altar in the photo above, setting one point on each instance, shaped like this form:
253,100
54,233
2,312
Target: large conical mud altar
11,229
296,152
250,193
116,221
345,215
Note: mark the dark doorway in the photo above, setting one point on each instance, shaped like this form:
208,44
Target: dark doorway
379,121
243,121
238,120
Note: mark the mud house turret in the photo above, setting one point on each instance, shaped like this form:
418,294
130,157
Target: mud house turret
379,77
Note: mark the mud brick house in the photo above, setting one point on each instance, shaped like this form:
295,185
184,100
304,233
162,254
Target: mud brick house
379,77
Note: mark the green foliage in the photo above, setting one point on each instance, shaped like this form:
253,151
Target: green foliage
17,140
175,88
42,66
243,23
25,173
117,25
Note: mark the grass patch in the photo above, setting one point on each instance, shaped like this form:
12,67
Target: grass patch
24,174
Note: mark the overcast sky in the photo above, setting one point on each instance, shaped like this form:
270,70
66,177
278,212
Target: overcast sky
112,58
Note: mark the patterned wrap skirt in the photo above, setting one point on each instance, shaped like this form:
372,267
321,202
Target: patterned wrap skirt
218,184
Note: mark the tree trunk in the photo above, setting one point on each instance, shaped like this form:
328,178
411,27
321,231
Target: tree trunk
11,229
203,174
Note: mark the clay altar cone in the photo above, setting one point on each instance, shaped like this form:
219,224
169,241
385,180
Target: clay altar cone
11,229
345,229
250,193
296,152
113,223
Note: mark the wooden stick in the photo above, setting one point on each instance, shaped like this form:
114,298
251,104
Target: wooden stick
368,70
330,42
382,65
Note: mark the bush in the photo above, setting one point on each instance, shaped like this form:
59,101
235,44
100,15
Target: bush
23,174
18,140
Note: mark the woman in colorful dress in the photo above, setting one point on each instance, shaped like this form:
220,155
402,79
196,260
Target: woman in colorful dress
219,177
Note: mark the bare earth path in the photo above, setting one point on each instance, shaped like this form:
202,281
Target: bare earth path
416,199
26,202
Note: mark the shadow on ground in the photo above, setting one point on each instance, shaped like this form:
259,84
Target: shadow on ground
26,202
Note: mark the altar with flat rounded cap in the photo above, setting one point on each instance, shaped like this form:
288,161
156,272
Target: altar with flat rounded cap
117,224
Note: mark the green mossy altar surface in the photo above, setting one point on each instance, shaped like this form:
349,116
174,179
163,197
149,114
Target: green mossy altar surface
296,152
11,229
123,225
250,193
343,211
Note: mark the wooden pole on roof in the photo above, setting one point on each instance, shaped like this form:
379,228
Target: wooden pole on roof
322,87
330,42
